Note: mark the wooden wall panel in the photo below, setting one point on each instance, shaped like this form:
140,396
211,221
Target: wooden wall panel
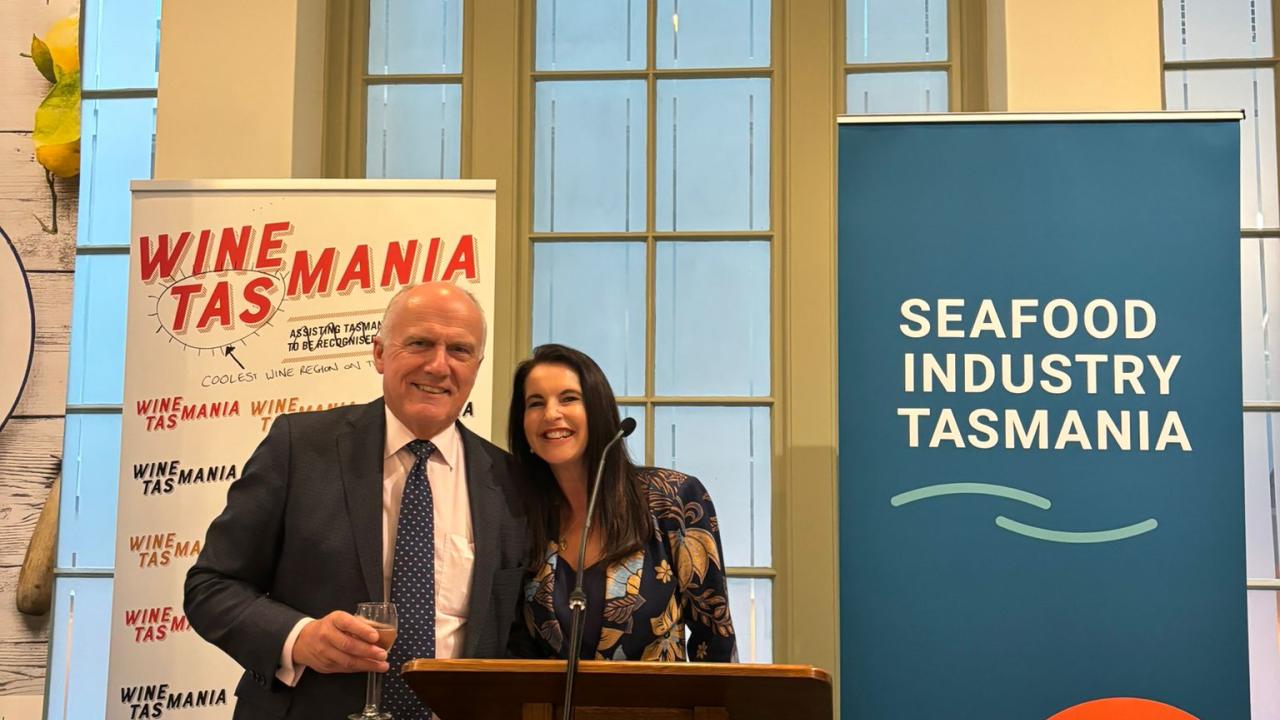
31,441
30,456
25,202
21,19
46,391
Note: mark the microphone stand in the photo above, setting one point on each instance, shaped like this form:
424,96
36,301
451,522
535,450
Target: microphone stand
578,598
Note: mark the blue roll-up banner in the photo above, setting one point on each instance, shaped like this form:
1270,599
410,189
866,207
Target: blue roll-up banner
1041,472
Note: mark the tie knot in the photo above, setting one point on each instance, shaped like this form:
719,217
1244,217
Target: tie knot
421,449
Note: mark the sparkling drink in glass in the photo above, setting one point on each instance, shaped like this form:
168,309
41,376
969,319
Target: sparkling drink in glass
382,616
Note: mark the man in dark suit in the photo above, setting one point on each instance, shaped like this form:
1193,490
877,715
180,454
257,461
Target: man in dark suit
390,500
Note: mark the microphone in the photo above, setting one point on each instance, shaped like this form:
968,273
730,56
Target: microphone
578,598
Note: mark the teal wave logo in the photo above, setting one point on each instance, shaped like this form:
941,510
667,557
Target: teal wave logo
1037,501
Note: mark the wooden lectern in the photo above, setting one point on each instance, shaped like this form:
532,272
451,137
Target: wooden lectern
533,689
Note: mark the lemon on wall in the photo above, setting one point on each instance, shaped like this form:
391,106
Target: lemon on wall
57,127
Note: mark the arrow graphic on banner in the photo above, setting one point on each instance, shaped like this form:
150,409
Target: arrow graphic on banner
229,351
1013,526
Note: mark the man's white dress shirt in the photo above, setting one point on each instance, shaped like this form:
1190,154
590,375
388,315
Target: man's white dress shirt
454,542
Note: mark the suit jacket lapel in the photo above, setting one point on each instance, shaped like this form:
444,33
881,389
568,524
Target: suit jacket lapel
486,503
360,464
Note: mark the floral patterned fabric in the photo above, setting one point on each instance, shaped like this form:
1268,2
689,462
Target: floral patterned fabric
676,582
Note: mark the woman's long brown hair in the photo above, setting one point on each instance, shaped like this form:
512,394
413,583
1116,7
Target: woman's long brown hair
622,511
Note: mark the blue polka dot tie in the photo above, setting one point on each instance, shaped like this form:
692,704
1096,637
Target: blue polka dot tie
413,586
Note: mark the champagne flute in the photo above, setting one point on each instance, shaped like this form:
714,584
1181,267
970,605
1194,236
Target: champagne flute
382,616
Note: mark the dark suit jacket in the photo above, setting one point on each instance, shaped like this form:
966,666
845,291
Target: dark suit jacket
301,535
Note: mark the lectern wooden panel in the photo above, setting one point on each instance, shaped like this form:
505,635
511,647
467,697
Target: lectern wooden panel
492,689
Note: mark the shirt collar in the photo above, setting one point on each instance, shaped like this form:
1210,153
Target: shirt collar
447,441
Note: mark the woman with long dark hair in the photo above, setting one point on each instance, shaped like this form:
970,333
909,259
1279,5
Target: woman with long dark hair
654,564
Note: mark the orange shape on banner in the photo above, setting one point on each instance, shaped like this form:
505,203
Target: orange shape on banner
1123,709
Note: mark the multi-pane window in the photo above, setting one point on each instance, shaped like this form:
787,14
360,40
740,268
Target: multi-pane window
648,205
652,243
897,57
412,86
118,76
1221,54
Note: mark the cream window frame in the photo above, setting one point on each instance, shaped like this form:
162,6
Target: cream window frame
807,87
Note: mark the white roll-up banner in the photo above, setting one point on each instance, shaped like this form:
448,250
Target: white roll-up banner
249,299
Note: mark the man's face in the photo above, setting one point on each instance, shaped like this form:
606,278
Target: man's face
428,352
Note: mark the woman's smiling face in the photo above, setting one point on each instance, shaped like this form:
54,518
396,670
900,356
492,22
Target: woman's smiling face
555,417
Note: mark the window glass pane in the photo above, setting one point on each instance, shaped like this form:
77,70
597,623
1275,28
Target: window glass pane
116,145
415,36
635,441
895,92
1253,90
712,155
414,131
1214,29
1264,654
121,41
590,296
1262,536
713,33
591,35
78,651
1259,301
878,31
751,608
589,156
90,481
712,316
96,372
727,448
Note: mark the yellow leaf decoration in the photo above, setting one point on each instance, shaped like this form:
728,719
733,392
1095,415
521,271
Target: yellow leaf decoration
63,41
608,638
43,60
695,548
710,608
623,577
668,619
619,610
551,631
541,588
668,642
58,117
664,649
